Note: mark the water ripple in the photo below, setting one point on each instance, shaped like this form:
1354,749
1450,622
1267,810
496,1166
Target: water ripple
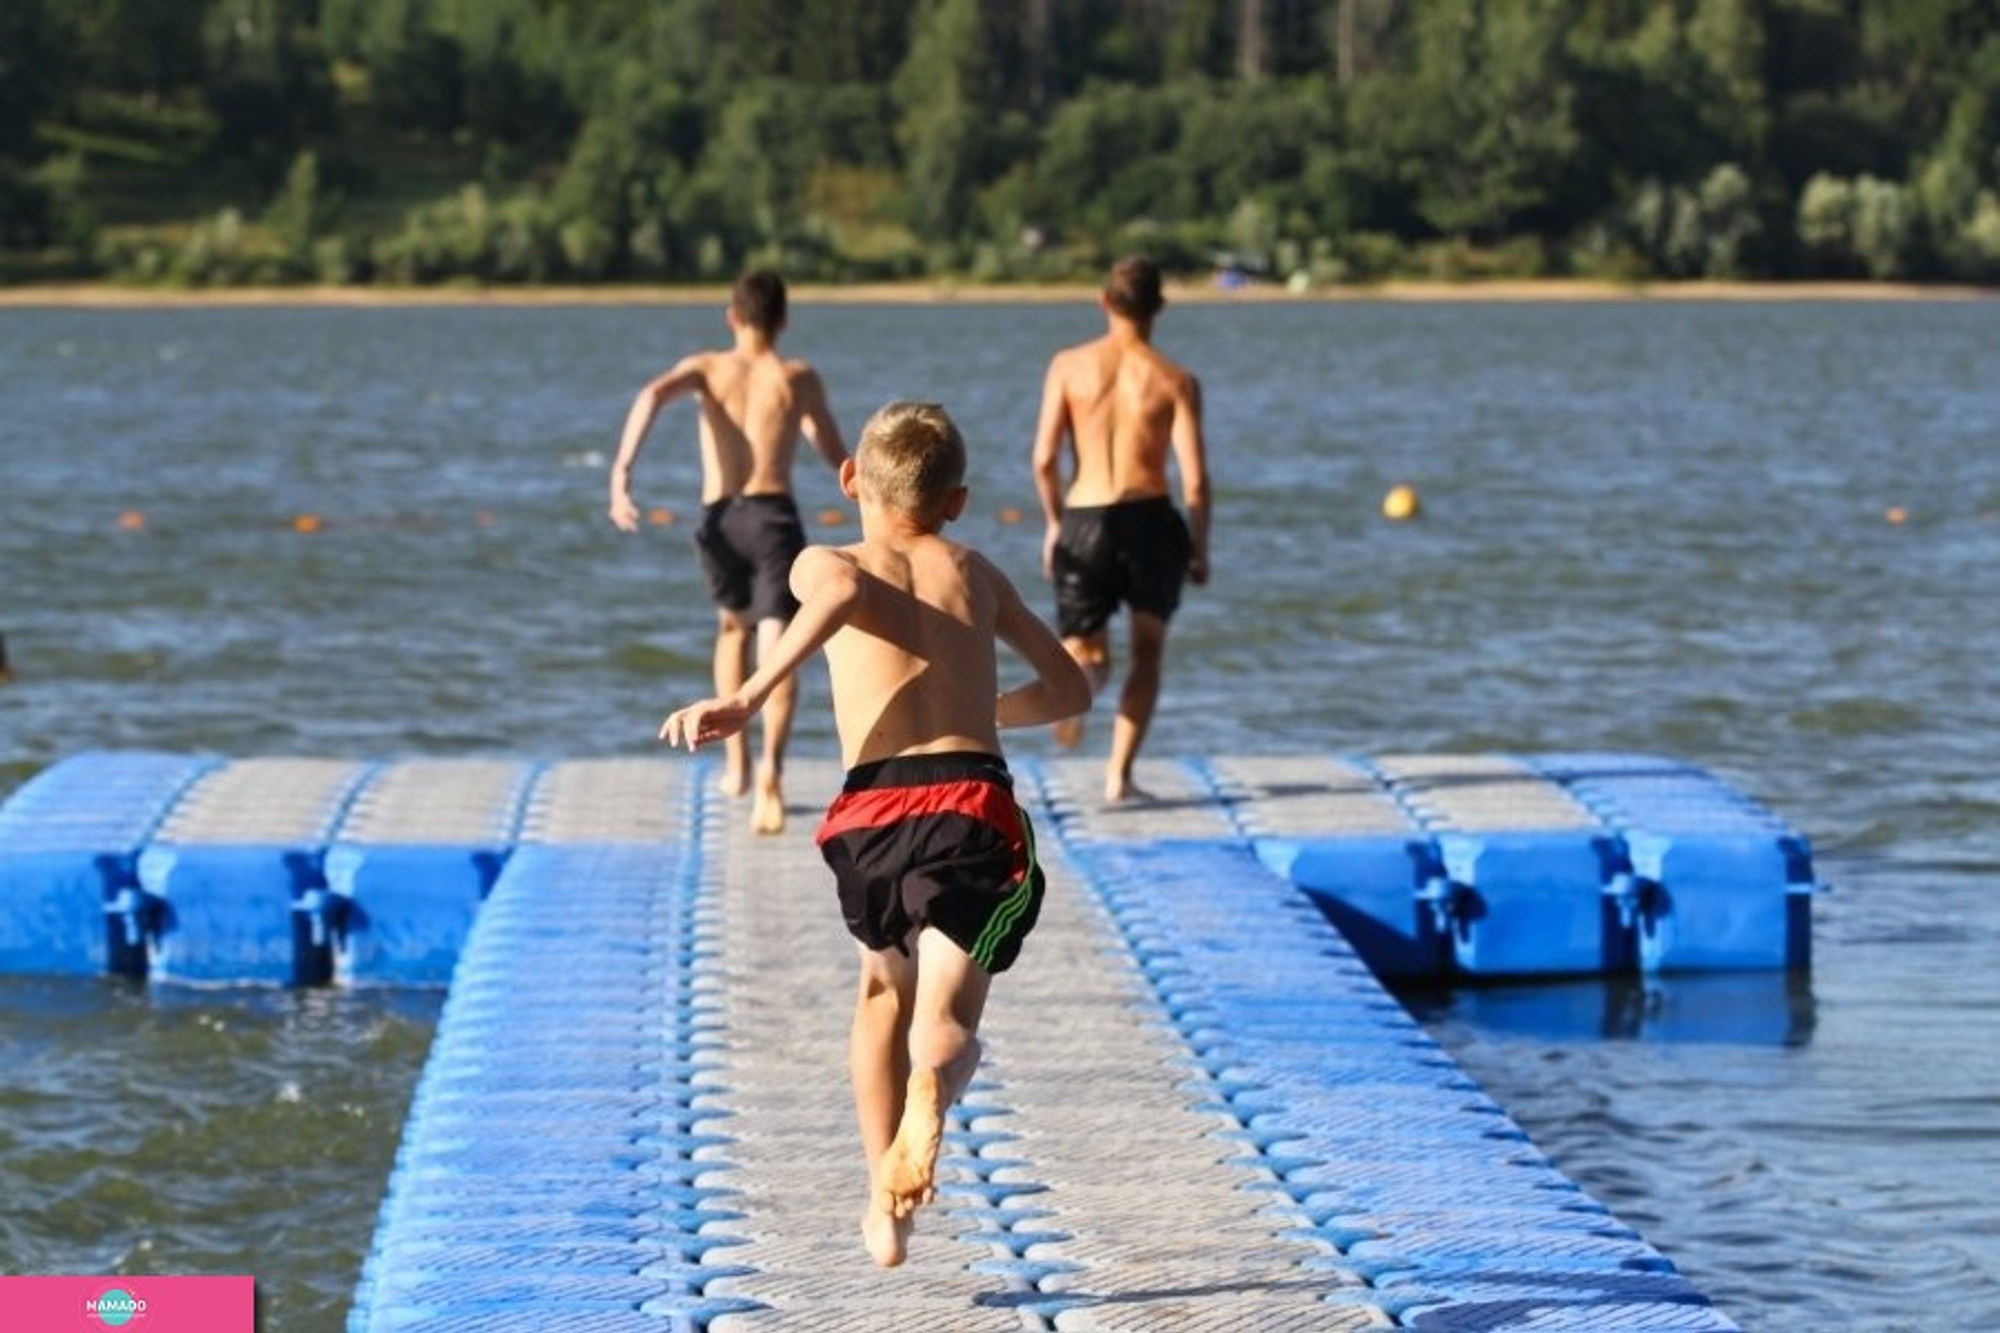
1649,527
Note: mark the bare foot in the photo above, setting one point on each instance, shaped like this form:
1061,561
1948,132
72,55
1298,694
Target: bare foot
907,1177
1124,791
886,1237
769,814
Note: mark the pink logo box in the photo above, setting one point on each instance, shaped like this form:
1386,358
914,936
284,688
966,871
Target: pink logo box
142,1304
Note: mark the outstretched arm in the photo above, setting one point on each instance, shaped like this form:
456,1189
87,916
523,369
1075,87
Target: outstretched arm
818,423
684,378
1191,458
828,587
1059,689
1050,428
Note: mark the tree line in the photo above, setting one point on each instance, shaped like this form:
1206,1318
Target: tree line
1312,141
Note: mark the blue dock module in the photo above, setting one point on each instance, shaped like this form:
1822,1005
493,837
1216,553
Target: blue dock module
1527,871
547,1176
69,846
1717,881
1440,1212
1334,830
413,859
238,872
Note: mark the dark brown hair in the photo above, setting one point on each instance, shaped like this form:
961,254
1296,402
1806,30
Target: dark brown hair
1133,289
759,300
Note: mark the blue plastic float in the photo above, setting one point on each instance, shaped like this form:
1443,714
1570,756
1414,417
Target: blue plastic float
70,900
300,871
568,1157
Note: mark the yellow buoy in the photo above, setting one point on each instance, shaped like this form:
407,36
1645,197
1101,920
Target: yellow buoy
1401,503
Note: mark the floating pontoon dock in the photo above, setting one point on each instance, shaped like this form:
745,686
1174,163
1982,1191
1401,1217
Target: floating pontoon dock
1199,1107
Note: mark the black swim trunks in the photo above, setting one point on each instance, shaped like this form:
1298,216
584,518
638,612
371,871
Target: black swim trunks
935,840
747,545
1135,552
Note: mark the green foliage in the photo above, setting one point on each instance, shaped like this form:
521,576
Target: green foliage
413,141
72,225
1480,129
1863,224
942,120
1106,159
1695,233
30,76
301,214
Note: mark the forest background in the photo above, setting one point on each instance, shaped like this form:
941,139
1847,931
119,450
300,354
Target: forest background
199,143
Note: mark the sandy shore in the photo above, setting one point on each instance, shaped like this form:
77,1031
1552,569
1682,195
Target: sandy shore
101,295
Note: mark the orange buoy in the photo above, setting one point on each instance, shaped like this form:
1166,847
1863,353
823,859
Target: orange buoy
306,523
660,518
832,518
131,520
1011,514
1896,514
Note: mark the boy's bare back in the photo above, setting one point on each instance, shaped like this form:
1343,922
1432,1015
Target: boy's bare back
908,619
753,404
914,669
754,407
1126,406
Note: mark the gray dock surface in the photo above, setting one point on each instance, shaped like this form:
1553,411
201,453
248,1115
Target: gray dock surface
1197,1110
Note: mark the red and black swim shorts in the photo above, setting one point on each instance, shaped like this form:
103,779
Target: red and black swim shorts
935,840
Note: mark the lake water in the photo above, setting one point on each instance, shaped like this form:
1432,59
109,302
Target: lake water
1648,526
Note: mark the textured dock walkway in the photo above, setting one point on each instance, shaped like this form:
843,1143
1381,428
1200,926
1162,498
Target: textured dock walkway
1198,1110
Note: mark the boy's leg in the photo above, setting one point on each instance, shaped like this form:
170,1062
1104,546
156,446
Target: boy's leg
878,1046
768,816
950,1000
879,1066
1135,705
732,668
1093,653
943,1055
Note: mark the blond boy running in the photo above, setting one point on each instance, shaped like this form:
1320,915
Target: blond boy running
934,860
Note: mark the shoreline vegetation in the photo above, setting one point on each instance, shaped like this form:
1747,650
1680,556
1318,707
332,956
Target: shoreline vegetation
113,296
528,150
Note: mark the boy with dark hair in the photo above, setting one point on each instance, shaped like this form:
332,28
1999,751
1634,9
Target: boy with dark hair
1113,536
754,406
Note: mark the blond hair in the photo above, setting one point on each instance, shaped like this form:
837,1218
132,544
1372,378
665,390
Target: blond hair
911,457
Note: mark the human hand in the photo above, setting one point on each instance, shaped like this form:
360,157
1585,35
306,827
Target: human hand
700,723
624,514
1198,568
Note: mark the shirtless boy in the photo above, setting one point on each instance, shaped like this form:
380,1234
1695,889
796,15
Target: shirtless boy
754,406
1114,536
934,861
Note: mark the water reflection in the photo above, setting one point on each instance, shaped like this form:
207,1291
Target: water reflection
1763,1008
